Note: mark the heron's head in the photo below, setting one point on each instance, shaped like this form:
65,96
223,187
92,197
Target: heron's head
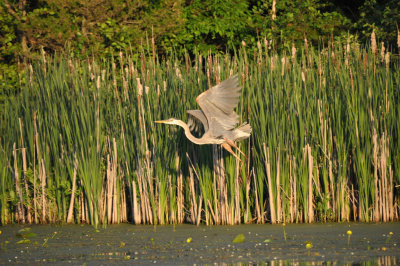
169,121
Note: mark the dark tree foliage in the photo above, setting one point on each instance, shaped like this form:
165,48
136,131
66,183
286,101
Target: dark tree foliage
218,25
79,28
105,27
381,16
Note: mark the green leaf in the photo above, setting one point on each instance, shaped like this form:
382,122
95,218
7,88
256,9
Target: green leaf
24,241
30,234
240,238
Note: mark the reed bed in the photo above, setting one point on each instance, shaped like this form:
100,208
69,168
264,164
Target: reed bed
79,145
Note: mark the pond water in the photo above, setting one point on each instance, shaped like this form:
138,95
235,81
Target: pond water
189,244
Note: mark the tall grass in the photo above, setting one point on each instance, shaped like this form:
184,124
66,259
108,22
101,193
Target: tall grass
79,143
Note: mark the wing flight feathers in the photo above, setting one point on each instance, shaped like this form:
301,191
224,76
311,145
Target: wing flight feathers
220,101
195,118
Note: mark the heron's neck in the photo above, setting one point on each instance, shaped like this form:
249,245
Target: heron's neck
188,133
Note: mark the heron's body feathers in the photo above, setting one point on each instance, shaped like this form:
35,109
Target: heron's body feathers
242,132
217,115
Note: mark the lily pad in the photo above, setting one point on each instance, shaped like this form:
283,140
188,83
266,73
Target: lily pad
25,233
240,238
24,241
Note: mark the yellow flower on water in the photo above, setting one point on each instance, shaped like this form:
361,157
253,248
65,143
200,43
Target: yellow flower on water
0,232
349,232
383,249
189,240
308,247
390,233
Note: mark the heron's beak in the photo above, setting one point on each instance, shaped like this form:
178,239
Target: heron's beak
160,121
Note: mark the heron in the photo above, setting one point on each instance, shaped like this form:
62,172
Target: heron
218,117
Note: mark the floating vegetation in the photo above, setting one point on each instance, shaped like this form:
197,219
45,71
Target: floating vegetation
284,231
240,238
209,244
78,143
47,239
24,241
25,233
309,246
349,233
389,237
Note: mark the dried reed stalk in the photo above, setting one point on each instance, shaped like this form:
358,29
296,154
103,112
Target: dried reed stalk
198,218
330,175
247,215
180,196
193,205
25,178
259,215
237,194
310,187
34,169
42,172
136,210
114,177
72,199
292,183
354,203
271,195
278,188
20,206
375,161
171,208
383,181
109,192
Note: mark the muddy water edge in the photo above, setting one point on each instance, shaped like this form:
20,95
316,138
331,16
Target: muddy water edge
189,244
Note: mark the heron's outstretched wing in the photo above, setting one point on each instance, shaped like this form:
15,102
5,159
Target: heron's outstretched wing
219,102
195,118
217,130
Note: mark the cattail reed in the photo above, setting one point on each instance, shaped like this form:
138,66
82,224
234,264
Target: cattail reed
79,144
273,15
294,50
373,43
398,41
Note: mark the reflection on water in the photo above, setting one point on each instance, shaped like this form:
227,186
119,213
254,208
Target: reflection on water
383,260
263,245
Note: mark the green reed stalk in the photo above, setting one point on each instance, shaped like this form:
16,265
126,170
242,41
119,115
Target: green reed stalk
4,195
324,145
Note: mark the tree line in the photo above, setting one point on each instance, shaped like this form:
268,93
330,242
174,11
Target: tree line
104,27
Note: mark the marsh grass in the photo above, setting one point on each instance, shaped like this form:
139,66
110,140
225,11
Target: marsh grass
79,145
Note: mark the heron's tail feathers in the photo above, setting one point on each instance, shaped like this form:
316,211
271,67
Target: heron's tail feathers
242,132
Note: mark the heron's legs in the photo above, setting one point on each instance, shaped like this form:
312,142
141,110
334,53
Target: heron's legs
229,149
231,143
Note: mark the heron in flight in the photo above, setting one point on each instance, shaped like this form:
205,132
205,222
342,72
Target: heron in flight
217,116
